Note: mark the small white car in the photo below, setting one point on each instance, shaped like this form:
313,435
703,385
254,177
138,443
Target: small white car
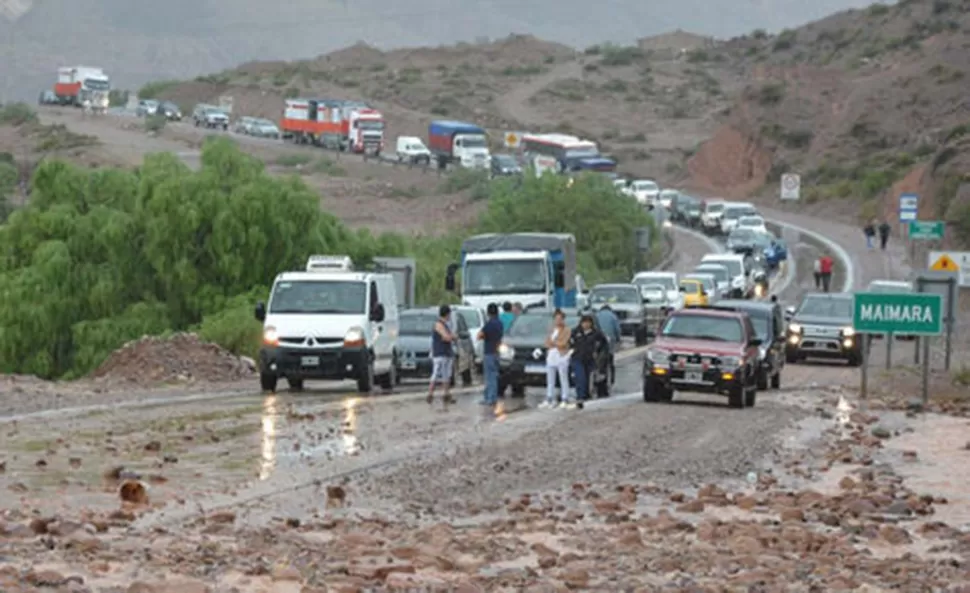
410,149
623,186
646,191
755,223
733,212
668,197
669,280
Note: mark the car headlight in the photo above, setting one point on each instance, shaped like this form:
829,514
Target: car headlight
794,328
270,336
658,357
354,337
848,332
506,352
759,290
731,361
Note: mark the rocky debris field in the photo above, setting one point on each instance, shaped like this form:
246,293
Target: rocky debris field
182,357
836,504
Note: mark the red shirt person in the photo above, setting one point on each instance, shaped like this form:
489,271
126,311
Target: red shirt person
825,264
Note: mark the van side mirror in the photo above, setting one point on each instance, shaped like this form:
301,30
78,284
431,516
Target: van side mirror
377,313
260,312
450,277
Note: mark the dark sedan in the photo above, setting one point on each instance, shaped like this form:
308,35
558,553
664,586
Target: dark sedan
414,346
742,241
522,356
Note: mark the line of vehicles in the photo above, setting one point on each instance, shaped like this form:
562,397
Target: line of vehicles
79,86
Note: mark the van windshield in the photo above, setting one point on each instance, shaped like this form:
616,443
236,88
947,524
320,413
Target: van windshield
666,281
715,208
319,296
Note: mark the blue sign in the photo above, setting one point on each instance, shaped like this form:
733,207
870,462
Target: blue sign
908,207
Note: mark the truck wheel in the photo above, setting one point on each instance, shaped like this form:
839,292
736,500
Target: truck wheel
640,337
267,382
762,379
654,393
791,357
749,397
518,390
776,380
466,377
738,394
365,383
855,360
295,384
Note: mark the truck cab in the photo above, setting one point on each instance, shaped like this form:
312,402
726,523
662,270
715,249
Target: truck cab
535,269
329,322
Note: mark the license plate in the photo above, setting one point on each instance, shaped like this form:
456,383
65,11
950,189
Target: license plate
409,365
535,369
694,377
310,361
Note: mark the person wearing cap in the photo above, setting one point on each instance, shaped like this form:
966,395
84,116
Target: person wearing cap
442,354
586,341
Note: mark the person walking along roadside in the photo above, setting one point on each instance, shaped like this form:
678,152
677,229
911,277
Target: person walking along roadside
491,336
870,232
825,264
817,273
585,342
557,361
442,355
884,230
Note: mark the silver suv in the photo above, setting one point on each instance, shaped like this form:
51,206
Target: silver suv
627,303
210,116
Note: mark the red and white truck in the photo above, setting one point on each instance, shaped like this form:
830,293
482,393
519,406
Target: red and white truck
79,84
342,125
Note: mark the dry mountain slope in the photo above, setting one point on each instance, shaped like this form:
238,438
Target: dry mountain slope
140,42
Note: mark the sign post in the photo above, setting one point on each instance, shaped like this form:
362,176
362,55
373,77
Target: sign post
918,314
908,212
791,186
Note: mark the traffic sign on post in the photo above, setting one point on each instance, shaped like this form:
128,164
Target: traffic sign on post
513,139
957,262
791,186
926,230
908,207
898,313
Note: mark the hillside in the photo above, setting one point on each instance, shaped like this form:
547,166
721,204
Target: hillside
139,42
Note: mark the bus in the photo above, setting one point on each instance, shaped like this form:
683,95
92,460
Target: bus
572,153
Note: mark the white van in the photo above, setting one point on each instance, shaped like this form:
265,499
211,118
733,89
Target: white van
669,280
713,209
329,322
741,284
411,149
734,212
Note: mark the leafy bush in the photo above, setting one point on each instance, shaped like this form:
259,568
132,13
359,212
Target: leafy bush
153,90
155,123
101,257
461,179
618,55
17,114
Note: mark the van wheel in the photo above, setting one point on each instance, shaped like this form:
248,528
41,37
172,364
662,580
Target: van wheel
365,383
267,382
295,384
776,380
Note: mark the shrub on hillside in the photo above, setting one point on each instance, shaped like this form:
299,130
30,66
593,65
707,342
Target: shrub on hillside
17,114
152,90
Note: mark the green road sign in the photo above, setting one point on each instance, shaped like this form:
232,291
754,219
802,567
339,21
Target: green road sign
898,313
926,230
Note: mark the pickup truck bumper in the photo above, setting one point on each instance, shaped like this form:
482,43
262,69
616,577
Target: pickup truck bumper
798,347
335,364
712,380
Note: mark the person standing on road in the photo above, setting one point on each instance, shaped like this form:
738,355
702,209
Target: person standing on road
884,230
611,326
825,264
491,336
818,274
557,361
442,354
507,316
870,232
586,341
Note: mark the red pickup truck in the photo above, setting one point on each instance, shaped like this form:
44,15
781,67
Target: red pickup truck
706,351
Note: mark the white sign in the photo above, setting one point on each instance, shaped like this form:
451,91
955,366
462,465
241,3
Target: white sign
543,164
225,103
513,139
908,207
946,261
791,186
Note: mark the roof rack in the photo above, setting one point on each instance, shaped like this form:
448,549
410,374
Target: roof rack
325,263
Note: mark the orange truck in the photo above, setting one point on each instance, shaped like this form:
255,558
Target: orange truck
337,124
77,84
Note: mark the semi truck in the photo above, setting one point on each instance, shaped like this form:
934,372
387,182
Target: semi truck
459,142
342,125
535,269
79,84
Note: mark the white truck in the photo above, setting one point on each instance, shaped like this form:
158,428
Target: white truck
329,322
460,143
535,269
83,86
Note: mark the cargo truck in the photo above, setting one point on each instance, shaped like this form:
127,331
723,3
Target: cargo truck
459,142
337,124
535,269
79,84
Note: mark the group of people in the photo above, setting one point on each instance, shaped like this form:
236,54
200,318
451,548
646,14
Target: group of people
568,349
872,228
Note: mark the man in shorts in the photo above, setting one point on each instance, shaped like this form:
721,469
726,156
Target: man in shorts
442,354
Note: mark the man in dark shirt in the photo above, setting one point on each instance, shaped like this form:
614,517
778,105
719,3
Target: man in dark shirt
587,343
884,230
491,336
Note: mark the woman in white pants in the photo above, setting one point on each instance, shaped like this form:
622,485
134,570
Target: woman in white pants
557,361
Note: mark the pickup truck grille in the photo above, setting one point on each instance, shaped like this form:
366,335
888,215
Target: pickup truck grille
678,358
300,340
821,330
527,355
620,314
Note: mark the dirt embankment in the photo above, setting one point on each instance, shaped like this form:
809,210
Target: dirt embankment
732,163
